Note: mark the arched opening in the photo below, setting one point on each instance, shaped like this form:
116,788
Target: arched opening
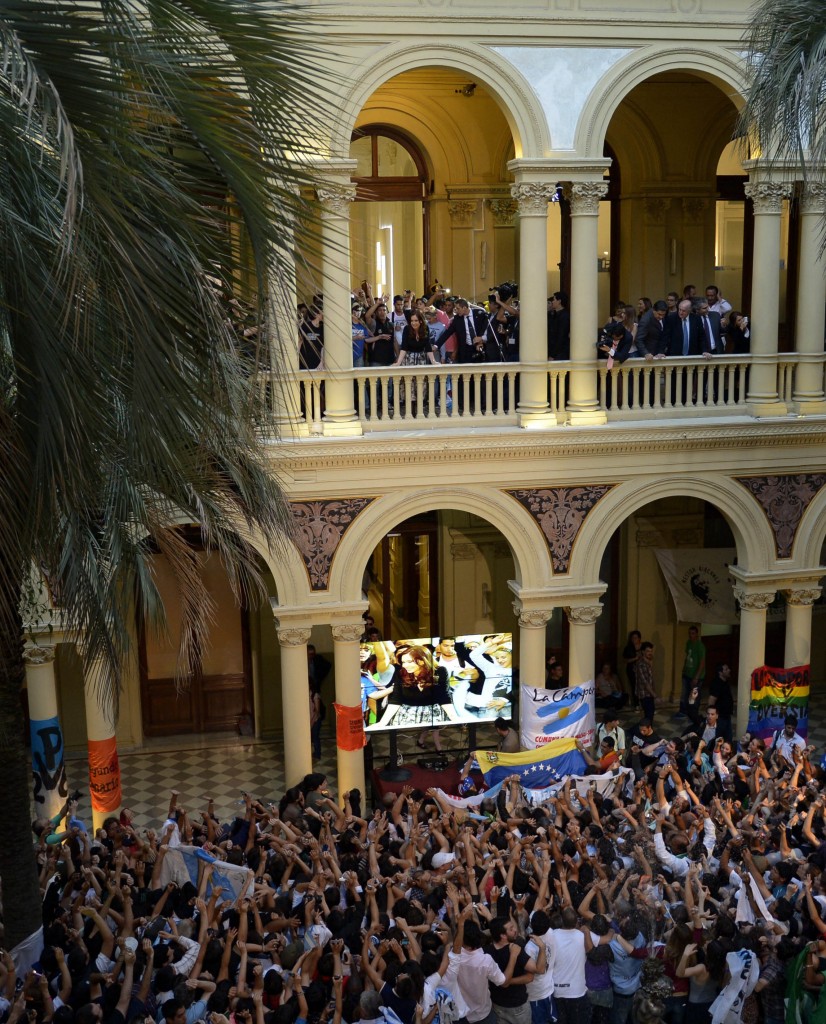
432,145
678,216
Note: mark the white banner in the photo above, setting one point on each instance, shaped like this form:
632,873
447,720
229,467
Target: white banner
699,582
605,784
546,715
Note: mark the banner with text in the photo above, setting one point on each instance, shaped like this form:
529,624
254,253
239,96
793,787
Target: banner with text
699,582
104,774
775,693
546,715
349,727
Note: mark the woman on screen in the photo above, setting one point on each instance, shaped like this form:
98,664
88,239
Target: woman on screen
374,693
494,660
420,692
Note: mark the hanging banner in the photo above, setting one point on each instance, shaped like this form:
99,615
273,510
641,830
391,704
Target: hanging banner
699,582
604,784
775,693
48,766
536,768
104,774
349,727
546,715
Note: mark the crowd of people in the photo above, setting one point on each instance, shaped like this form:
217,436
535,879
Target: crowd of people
679,880
442,328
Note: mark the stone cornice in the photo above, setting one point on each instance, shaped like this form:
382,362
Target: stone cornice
369,451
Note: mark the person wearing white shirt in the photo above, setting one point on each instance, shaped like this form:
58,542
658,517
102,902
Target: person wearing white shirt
474,969
541,989
570,992
716,302
787,739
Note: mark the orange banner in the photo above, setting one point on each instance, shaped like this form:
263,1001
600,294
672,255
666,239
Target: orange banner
349,727
104,774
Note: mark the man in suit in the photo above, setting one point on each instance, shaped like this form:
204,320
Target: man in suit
682,330
651,331
468,327
711,333
559,327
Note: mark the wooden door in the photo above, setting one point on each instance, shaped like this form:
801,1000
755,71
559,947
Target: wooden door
220,691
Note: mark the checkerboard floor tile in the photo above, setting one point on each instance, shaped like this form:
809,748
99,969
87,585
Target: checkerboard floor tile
223,766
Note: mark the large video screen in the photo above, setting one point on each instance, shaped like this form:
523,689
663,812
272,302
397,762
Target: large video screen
436,681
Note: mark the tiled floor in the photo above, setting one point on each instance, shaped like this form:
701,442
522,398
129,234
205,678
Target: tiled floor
223,766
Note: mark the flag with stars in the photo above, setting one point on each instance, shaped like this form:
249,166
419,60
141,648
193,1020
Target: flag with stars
536,768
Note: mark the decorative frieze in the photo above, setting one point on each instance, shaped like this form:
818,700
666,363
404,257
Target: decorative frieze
784,499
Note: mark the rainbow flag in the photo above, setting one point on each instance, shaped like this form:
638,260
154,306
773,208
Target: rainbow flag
775,693
536,768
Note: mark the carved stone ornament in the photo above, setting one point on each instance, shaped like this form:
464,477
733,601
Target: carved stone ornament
559,512
533,198
802,597
319,527
768,196
586,615
38,654
504,212
694,210
784,499
656,207
349,633
336,198
753,601
461,212
813,197
532,620
292,637
584,196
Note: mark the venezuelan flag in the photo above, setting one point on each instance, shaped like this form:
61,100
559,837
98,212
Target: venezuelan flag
536,768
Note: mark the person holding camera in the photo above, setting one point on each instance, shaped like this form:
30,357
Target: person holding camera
469,328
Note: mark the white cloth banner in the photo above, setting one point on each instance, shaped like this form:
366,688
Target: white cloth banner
546,715
699,582
605,784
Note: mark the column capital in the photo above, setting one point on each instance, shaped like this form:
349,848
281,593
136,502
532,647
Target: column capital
533,618
768,196
813,197
584,615
584,197
533,197
336,196
348,632
38,654
504,212
292,636
753,600
806,596
461,212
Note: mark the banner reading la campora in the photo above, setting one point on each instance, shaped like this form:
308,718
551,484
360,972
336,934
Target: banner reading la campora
349,727
546,715
699,582
775,693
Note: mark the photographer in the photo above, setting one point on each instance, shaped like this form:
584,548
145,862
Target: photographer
501,334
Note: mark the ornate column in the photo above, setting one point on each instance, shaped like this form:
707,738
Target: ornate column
532,643
104,767
583,406
583,642
348,692
335,196
48,765
753,605
811,301
285,399
295,699
532,199
799,625
767,197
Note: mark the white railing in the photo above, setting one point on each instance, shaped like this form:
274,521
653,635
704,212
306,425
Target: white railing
461,395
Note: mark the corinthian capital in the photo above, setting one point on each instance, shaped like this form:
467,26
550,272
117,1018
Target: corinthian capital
768,196
336,197
38,654
752,600
348,633
535,619
504,212
533,197
584,196
803,596
293,637
813,197
584,615
461,212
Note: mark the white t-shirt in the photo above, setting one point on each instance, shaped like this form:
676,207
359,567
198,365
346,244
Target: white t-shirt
542,985
569,965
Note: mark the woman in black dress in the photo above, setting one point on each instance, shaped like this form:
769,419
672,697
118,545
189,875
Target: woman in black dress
421,695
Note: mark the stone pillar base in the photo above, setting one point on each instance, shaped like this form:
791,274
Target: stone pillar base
587,417
341,428
529,420
762,408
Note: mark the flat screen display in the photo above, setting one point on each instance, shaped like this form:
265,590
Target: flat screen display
436,681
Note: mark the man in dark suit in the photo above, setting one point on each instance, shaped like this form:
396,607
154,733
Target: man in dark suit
468,327
711,332
651,331
559,327
682,331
